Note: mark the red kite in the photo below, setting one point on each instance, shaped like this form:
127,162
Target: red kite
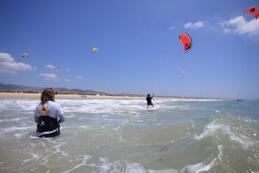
186,41
253,11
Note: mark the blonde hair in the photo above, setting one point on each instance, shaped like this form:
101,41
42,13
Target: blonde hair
47,94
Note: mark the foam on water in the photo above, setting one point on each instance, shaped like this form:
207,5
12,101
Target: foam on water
34,157
122,136
126,167
193,100
21,105
220,149
14,129
199,167
12,119
106,166
100,106
83,163
116,106
217,127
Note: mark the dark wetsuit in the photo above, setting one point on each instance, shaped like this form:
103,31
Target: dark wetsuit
149,101
47,127
48,117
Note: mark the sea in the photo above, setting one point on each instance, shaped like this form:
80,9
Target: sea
123,136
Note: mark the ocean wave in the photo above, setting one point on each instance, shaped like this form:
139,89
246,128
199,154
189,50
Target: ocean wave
24,105
199,167
217,127
106,166
220,155
96,106
83,163
187,100
34,157
7,120
14,128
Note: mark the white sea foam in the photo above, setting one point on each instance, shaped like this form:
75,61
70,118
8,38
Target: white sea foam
194,100
220,149
102,106
199,167
58,149
203,167
83,163
18,135
163,171
95,106
216,127
24,105
34,157
14,128
7,120
84,127
121,107
126,167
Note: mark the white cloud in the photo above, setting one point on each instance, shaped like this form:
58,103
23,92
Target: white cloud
79,77
9,65
50,66
67,80
239,25
5,57
195,25
49,76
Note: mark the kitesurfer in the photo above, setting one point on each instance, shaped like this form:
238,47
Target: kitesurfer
149,100
48,115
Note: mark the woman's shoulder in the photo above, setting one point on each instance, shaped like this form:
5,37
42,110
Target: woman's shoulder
54,104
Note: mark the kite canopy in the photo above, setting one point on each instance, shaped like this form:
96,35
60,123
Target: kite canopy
25,54
94,50
186,41
253,11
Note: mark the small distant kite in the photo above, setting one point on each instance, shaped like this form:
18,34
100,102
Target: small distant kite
25,54
94,50
253,11
57,68
186,41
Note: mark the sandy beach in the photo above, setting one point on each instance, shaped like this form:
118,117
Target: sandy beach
9,95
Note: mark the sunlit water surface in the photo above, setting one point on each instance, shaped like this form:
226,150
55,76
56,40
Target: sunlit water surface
117,136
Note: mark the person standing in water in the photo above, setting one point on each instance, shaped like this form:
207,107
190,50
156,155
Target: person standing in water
149,100
48,115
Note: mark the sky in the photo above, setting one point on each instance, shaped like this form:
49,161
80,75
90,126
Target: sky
138,47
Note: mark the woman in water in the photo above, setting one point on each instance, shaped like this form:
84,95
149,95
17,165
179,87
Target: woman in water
48,115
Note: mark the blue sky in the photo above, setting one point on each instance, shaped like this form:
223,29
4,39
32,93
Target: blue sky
139,50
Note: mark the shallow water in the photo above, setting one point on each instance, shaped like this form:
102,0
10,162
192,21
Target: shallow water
110,136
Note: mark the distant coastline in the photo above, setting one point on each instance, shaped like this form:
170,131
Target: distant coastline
18,91
22,95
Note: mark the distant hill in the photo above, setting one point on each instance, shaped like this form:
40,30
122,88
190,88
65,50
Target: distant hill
29,89
12,87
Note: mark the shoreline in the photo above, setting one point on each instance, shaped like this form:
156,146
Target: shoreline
13,95
18,95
